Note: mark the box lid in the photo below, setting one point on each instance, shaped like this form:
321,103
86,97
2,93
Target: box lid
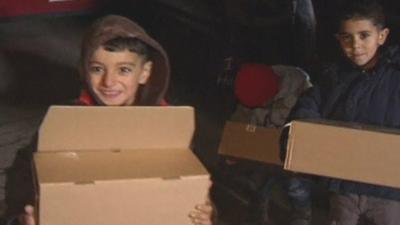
83,128
346,151
251,142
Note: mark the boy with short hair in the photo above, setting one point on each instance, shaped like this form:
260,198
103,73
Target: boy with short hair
121,65
362,88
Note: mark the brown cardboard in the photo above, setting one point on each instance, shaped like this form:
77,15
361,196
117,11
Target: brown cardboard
89,128
250,142
118,165
346,151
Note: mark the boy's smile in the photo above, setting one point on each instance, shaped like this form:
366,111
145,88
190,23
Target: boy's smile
360,39
114,77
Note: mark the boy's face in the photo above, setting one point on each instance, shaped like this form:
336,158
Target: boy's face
360,39
115,76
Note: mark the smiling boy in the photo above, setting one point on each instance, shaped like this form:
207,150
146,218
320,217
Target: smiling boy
121,65
115,76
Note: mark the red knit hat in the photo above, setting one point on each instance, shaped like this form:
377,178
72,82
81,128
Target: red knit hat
256,84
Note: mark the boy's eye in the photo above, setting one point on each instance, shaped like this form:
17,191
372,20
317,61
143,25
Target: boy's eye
345,38
364,35
96,69
125,70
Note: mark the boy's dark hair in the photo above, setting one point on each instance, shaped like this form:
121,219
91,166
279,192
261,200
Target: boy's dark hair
362,9
128,43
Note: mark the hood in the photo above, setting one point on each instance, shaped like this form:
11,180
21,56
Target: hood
112,26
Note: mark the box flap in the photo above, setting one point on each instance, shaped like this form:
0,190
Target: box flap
87,167
364,155
250,142
117,128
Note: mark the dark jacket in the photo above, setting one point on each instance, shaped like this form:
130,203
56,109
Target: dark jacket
347,93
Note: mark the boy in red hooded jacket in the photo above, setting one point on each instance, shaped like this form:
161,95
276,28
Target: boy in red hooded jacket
121,65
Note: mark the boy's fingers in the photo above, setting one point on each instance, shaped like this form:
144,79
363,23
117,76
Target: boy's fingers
196,222
199,221
206,208
200,216
29,210
27,218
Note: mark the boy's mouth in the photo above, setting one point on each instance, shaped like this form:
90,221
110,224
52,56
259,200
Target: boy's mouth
359,56
110,93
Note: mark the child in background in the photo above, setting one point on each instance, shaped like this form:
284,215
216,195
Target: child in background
364,87
266,95
122,66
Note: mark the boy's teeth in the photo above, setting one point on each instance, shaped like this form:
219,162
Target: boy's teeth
110,92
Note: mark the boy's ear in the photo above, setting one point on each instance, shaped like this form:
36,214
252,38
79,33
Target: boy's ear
383,34
147,68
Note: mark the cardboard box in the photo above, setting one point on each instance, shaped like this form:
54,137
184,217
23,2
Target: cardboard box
118,165
251,142
347,151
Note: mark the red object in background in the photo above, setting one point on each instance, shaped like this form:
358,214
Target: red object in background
256,84
11,8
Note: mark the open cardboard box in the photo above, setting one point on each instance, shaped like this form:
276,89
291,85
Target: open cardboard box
347,151
118,166
245,141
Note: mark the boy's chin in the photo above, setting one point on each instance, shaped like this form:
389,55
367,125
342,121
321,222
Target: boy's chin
112,103
364,63
117,103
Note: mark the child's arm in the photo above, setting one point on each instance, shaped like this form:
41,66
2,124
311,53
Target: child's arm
308,105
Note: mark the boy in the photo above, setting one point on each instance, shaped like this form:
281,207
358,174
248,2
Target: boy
362,88
121,66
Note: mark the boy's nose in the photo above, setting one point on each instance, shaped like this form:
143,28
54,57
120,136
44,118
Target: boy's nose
356,42
108,79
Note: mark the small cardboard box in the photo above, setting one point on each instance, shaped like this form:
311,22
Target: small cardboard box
250,142
118,165
347,151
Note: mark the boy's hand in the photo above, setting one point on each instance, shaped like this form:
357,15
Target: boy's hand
202,215
28,217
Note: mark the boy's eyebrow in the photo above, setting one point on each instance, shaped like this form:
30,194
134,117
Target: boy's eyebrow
127,63
346,33
94,61
119,63
342,34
